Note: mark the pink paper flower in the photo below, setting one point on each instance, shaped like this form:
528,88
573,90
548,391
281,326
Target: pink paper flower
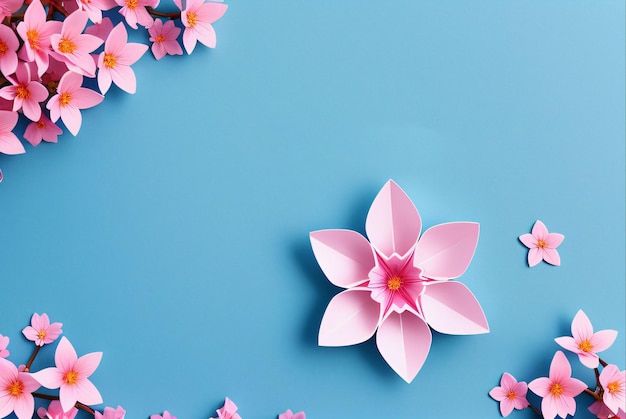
601,411
41,331
398,284
115,61
25,93
94,8
134,11
585,343
110,413
15,391
510,394
70,376
8,50
542,245
613,382
559,389
290,415
197,18
44,129
7,7
73,47
4,343
9,143
55,411
70,99
163,36
228,411
35,30
166,415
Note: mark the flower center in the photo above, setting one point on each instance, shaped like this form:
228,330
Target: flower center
394,283
556,389
109,60
131,4
22,92
16,388
42,333
65,99
66,46
159,38
192,19
33,36
541,244
511,395
41,125
3,47
613,387
585,346
71,377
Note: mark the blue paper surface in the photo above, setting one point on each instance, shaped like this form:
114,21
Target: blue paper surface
172,233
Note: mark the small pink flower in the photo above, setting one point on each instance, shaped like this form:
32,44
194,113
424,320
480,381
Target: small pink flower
601,411
110,413
228,411
44,129
4,340
613,382
70,376
585,343
163,36
510,394
559,389
9,143
8,50
73,47
166,415
15,391
542,245
35,30
197,18
94,8
70,99
134,11
290,415
25,93
55,411
115,61
41,331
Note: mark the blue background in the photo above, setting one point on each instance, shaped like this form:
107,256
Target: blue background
172,233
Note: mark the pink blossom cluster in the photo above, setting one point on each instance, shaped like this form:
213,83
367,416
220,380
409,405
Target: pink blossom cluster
58,57
559,389
70,375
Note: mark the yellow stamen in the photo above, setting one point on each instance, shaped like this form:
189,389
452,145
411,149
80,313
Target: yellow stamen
3,47
541,244
22,92
16,388
40,125
159,38
66,46
394,283
71,377
33,37
511,395
109,60
556,389
585,346
192,19
613,387
131,4
65,99
42,333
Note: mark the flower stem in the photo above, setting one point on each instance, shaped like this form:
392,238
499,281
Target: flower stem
32,358
161,14
602,362
535,410
593,394
79,405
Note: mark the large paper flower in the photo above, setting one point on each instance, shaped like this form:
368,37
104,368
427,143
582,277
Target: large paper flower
398,282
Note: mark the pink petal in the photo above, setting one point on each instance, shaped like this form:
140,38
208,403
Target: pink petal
84,98
534,256
539,230
87,364
24,406
104,78
588,359
446,250
205,34
551,256
124,77
65,356
49,377
189,40
116,39
498,393
540,386
506,407
211,11
350,318
10,144
581,327
554,240
508,381
393,223
403,340
568,343
528,240
450,307
71,118
549,407
70,82
68,396
345,256
131,54
603,339
560,368
88,393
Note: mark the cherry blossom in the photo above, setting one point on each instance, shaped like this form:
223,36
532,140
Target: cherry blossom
163,36
542,245
613,382
558,389
8,50
25,93
601,411
7,7
94,8
44,129
197,17
110,413
134,11
15,391
55,411
228,411
166,415
290,415
73,47
585,343
510,394
35,31
115,61
41,331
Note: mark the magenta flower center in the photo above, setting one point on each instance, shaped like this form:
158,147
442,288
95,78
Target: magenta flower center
396,282
585,346
15,389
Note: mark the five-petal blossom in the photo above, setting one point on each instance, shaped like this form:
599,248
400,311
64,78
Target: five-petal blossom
15,391
41,331
542,245
26,94
559,389
228,411
55,411
397,284
110,413
197,17
163,36
613,382
511,394
74,47
290,415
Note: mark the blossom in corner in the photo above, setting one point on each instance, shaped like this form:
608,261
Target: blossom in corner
55,411
70,99
9,143
584,342
26,94
71,376
558,389
398,283
166,415
163,37
73,47
44,129
41,331
15,391
228,411
4,340
134,11
35,31
613,382
115,61
197,17
542,245
290,415
110,413
601,411
8,50
511,394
